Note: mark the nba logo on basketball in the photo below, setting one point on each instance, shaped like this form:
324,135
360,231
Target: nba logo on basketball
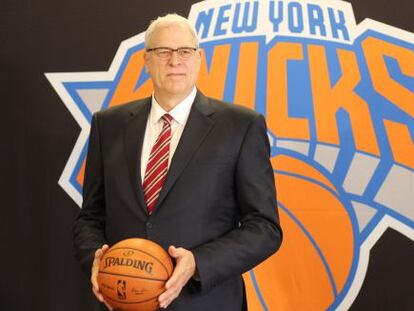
337,97
121,289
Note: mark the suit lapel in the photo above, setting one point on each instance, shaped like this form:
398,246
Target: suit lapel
134,137
196,129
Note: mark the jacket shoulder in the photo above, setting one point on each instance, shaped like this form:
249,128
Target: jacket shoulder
233,111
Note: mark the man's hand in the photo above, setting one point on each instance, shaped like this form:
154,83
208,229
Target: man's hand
94,275
184,270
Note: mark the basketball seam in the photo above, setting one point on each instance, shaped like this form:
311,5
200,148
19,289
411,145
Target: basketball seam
315,245
125,302
131,276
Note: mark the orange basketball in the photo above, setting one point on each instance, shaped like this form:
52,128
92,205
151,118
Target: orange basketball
312,266
132,274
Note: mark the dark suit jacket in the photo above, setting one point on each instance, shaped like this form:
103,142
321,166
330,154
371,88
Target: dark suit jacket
218,200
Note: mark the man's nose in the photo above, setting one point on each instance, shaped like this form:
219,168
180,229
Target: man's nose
174,58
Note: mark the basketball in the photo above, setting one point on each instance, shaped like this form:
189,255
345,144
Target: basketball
133,273
317,231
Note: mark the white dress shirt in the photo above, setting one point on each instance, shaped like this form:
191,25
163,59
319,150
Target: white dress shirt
154,126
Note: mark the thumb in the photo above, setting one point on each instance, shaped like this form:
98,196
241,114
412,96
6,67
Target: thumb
172,250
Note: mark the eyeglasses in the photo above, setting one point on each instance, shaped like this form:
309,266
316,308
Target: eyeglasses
166,52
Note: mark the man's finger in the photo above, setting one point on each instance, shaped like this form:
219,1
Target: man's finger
95,284
97,294
174,279
108,306
101,251
173,288
101,299
98,254
168,296
95,269
182,273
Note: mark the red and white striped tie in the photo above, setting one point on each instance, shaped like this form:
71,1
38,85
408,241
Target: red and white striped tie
157,166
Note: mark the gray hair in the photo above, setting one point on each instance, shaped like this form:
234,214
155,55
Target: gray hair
168,20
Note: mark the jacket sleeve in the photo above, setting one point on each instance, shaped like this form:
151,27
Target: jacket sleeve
89,227
259,234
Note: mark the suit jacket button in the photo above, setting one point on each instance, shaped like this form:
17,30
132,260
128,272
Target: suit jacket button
149,225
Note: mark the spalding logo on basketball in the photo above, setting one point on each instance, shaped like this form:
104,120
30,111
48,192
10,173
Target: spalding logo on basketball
132,274
337,97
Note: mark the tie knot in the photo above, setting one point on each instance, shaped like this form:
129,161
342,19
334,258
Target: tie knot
167,118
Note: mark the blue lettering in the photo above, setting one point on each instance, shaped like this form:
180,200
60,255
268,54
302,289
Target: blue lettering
244,24
338,25
204,20
316,19
295,10
221,19
276,19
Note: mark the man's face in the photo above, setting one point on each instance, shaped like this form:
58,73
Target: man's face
173,76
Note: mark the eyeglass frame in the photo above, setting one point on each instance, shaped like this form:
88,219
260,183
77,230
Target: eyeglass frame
171,51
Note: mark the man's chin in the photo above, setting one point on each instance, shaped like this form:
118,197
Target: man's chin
178,91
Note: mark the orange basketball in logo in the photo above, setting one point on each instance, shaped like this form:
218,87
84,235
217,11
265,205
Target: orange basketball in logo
316,255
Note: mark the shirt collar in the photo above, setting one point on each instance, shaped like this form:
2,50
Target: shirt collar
179,113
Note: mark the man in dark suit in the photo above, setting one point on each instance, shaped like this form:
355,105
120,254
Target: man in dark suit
186,171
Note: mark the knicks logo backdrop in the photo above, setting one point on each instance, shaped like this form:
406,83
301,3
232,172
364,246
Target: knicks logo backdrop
339,102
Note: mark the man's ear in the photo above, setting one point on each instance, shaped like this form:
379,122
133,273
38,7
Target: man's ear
200,52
